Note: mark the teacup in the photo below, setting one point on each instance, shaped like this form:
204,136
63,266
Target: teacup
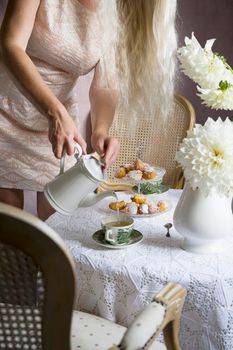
117,228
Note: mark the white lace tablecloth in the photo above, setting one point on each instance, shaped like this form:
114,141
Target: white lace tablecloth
117,284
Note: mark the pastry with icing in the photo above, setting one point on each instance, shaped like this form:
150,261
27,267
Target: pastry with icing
117,205
149,175
139,165
162,205
121,172
132,208
143,209
138,199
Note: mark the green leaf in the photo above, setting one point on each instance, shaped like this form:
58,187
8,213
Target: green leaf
223,59
224,85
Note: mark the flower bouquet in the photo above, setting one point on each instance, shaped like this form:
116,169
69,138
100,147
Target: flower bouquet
210,71
203,214
206,156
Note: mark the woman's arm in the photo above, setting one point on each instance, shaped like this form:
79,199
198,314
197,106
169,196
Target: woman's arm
15,32
103,104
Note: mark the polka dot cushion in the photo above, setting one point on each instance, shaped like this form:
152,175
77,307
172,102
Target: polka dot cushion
90,332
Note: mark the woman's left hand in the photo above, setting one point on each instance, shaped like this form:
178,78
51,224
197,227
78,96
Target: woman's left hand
106,146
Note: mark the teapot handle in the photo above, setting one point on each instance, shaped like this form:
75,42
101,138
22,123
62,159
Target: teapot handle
78,154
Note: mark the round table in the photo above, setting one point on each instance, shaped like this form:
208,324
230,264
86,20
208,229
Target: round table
117,284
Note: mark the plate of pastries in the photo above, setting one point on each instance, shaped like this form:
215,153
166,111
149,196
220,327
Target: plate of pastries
140,172
147,179
139,206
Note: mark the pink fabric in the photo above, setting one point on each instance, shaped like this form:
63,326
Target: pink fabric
64,45
82,87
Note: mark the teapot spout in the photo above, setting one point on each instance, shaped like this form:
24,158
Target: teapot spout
93,198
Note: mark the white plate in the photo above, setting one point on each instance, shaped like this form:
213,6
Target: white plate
144,215
135,238
160,173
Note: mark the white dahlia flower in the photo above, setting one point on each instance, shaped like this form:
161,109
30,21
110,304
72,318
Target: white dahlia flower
206,156
202,65
217,98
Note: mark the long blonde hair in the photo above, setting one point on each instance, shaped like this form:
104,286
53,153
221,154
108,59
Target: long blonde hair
145,37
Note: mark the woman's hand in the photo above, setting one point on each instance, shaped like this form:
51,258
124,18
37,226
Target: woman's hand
108,147
63,134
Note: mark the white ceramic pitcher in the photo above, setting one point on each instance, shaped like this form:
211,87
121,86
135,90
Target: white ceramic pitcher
204,221
75,187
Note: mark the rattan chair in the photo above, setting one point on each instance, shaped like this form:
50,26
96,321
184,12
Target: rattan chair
37,289
151,145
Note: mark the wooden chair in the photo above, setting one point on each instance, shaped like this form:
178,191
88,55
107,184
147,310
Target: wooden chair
151,145
37,289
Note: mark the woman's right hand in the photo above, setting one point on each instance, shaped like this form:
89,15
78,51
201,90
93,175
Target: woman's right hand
63,133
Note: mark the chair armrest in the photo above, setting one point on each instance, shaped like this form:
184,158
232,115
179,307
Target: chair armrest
158,316
144,327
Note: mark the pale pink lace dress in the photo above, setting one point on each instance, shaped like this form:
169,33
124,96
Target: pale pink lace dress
63,46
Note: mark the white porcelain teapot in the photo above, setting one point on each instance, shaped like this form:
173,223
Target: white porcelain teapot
75,187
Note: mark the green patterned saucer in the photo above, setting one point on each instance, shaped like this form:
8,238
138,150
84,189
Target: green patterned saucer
135,238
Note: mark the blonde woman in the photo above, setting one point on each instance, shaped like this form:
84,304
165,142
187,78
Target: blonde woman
45,46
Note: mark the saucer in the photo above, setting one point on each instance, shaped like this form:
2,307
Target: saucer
135,238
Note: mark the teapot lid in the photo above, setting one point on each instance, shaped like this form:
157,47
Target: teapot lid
94,167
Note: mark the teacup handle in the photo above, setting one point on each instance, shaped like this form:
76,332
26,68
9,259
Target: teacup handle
78,154
108,234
